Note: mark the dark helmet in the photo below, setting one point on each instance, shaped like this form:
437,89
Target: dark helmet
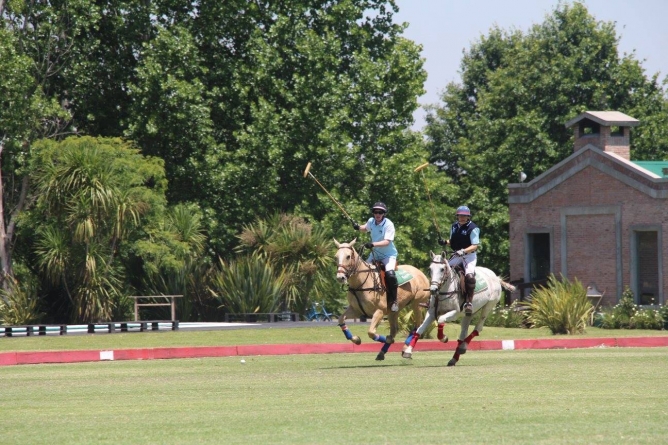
463,210
379,206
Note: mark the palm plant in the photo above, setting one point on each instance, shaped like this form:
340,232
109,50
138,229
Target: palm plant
562,306
91,194
301,250
247,284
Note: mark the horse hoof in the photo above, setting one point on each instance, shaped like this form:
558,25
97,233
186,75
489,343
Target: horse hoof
407,355
444,339
452,362
380,356
357,340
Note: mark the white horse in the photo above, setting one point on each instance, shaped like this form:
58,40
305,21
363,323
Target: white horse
447,300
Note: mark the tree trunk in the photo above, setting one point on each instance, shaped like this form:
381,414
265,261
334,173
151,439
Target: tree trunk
7,229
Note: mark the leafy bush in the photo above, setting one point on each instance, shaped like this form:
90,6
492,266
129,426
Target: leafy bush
19,304
647,319
561,306
627,315
507,316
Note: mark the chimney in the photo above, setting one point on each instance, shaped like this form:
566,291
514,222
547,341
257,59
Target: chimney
606,130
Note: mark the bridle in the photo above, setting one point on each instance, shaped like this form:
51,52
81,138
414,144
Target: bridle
447,277
352,269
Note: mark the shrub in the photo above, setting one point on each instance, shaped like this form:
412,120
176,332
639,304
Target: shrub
620,315
561,306
507,316
647,319
246,285
19,304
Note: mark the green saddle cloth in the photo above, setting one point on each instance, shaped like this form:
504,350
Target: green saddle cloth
480,283
403,277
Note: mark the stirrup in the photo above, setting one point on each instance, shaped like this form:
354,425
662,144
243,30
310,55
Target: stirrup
468,308
395,307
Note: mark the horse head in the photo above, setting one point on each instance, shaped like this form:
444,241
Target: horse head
346,260
440,271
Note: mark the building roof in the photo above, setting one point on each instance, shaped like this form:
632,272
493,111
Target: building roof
659,168
605,118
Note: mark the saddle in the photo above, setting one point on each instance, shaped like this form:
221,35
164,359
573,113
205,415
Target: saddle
402,276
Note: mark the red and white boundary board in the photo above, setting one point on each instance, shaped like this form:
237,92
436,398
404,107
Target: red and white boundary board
34,357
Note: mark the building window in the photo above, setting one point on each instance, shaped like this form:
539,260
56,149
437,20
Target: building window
616,131
647,273
539,256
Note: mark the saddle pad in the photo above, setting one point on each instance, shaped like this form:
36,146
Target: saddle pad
404,277
480,283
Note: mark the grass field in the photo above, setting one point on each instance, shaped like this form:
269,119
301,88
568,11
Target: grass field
584,396
319,333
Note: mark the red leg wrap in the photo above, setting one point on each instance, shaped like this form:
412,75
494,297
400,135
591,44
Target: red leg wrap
440,331
471,336
414,340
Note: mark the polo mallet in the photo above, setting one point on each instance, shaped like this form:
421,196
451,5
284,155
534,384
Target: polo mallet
307,172
433,212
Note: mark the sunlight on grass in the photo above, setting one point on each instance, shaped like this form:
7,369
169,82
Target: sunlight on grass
585,396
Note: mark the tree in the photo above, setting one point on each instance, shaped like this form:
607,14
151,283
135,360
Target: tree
92,195
517,92
238,96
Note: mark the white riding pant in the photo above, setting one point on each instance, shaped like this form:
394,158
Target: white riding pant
470,260
390,262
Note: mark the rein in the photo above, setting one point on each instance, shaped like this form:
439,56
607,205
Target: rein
354,269
446,278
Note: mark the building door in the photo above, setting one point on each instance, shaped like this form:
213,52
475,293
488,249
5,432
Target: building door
539,256
647,272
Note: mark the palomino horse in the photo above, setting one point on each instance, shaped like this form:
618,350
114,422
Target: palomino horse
366,295
447,300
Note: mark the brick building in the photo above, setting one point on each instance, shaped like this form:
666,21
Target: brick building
596,216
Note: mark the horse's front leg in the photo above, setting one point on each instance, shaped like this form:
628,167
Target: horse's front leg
373,335
414,336
464,340
349,313
442,320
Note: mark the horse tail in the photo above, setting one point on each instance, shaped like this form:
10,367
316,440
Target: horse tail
507,286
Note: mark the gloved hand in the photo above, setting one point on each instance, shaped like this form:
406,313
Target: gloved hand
442,242
356,226
460,252
368,245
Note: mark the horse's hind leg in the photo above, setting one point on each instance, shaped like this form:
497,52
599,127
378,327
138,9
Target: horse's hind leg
349,313
463,342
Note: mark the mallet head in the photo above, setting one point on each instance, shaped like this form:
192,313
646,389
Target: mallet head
307,169
421,167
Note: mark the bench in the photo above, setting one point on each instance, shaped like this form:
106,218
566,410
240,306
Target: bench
39,329
171,303
125,326
270,317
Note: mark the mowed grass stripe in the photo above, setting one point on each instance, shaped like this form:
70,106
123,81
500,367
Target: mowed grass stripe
584,396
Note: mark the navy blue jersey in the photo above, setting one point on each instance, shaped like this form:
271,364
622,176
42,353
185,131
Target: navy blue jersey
462,237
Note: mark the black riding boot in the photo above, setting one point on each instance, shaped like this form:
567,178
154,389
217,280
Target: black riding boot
391,283
469,280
